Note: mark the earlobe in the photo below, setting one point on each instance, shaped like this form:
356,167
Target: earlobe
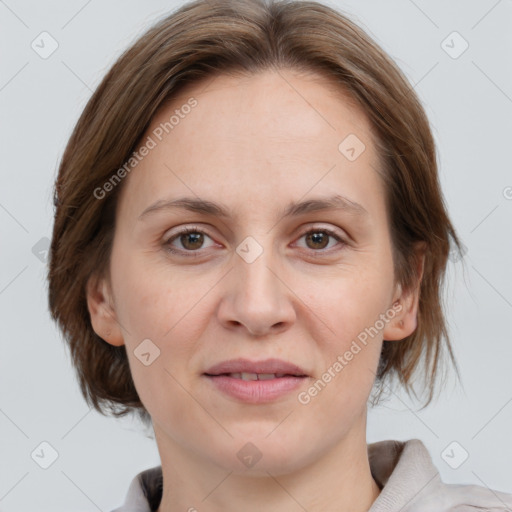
102,311
405,321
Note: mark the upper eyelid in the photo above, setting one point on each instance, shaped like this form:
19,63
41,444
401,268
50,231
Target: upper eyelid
201,229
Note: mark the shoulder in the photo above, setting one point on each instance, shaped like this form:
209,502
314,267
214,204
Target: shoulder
410,482
145,492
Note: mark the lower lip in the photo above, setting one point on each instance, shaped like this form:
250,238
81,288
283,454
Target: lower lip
256,391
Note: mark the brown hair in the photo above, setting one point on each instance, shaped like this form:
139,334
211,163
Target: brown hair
208,37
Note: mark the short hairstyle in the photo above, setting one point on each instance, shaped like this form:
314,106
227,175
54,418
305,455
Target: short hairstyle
207,38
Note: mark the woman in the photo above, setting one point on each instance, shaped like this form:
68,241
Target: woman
249,237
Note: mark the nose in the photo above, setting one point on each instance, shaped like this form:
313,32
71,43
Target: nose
256,297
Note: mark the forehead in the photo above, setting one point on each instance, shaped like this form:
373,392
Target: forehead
280,105
279,131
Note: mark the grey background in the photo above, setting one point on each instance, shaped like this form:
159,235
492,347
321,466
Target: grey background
468,100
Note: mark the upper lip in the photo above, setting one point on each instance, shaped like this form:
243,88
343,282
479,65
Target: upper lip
246,366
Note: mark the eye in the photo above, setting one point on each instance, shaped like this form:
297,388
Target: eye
318,239
191,239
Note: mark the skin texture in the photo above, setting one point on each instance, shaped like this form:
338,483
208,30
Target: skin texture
255,143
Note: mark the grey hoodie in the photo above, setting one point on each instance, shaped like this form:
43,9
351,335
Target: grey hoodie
404,471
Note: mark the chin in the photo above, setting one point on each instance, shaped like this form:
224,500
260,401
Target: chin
257,455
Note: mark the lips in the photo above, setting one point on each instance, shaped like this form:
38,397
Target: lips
256,370
256,382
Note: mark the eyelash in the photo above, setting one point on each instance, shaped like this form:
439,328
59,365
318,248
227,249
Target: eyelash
190,253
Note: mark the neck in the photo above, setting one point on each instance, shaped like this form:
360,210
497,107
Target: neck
339,480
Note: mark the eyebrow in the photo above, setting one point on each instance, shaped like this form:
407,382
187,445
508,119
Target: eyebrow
197,205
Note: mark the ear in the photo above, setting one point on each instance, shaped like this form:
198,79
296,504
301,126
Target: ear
405,303
102,311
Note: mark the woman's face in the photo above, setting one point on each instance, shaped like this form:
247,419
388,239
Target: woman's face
314,287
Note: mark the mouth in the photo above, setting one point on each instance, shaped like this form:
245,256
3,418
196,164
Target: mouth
256,382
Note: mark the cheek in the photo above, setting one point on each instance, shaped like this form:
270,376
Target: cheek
153,298
349,332
160,304
155,304
352,301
